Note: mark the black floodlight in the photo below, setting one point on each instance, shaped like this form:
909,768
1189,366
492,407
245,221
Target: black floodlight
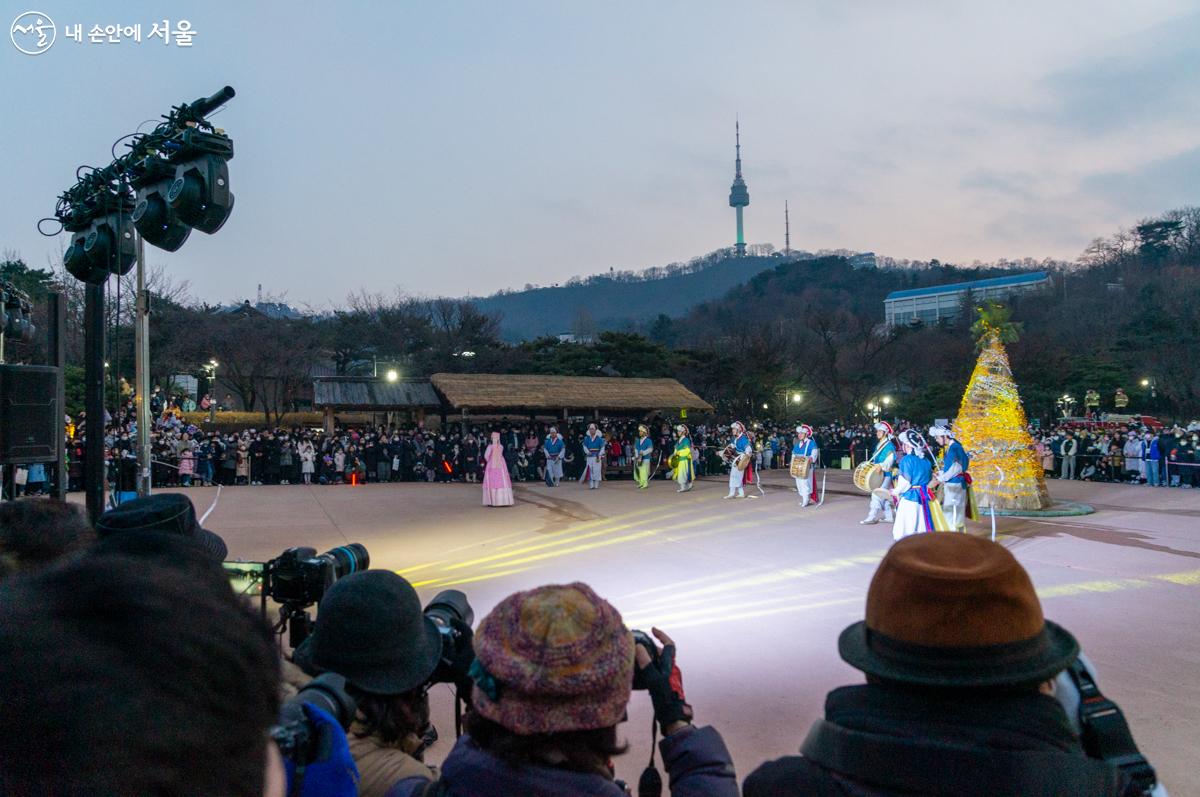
152,215
200,195
18,324
110,245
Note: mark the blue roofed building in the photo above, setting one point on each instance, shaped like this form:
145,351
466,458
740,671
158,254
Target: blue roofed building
944,302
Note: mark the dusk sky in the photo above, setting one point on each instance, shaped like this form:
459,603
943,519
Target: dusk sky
461,147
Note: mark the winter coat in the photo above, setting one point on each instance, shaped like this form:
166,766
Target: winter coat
380,767
697,763
879,740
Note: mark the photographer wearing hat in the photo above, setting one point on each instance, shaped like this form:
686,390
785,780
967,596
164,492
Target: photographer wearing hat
169,513
371,631
553,678
121,679
961,670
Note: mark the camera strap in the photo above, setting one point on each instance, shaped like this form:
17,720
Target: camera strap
1106,734
650,784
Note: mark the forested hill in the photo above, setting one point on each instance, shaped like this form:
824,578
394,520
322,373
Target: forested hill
619,301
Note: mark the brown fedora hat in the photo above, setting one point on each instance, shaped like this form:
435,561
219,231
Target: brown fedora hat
955,610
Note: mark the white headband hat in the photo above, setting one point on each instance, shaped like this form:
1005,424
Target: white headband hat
884,426
804,428
914,439
939,431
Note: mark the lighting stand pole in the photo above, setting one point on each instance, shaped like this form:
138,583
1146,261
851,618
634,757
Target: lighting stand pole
93,342
56,321
141,345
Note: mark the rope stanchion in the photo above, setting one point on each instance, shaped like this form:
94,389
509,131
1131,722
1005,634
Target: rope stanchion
217,498
1001,472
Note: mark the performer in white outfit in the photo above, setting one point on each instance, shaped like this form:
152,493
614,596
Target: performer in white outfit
741,447
593,449
884,457
913,513
554,448
953,475
806,447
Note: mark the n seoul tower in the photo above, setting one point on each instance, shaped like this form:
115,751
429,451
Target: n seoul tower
739,196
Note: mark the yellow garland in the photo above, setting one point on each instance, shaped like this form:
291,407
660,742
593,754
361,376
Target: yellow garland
992,427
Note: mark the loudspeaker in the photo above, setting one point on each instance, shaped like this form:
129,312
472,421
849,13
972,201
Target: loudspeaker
30,418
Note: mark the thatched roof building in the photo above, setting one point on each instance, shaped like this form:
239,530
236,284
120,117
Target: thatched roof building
374,395
558,394
508,394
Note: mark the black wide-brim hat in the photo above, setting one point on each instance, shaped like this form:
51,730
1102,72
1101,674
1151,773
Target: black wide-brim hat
371,630
954,610
171,513
1025,662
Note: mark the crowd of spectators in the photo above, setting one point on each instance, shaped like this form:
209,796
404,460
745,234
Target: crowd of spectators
186,454
129,667
1160,457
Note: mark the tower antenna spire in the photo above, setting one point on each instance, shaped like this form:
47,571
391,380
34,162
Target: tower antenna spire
737,137
787,230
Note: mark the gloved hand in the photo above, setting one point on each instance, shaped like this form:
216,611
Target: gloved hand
660,675
332,773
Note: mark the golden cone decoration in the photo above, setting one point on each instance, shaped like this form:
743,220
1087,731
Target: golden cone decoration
992,427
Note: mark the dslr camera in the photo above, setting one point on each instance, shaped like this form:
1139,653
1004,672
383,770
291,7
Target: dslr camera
298,737
452,613
299,577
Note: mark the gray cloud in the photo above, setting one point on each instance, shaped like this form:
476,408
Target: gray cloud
1141,79
1046,226
1153,187
1018,185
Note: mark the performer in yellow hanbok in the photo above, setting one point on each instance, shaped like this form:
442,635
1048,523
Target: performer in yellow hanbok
643,450
685,472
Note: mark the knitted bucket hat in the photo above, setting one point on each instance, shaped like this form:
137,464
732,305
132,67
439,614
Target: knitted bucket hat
555,658
955,610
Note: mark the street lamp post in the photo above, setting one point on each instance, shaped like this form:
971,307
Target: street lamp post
210,369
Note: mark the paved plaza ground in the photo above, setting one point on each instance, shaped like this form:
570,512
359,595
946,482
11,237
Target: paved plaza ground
756,591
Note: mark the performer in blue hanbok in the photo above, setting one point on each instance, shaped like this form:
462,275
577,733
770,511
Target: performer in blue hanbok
643,451
741,450
805,448
554,448
885,457
955,479
593,450
918,511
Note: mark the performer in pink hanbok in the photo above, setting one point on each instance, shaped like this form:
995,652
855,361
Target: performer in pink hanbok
497,487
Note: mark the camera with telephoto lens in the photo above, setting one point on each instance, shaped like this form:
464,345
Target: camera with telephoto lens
453,615
298,578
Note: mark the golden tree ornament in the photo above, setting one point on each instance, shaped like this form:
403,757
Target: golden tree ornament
992,427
